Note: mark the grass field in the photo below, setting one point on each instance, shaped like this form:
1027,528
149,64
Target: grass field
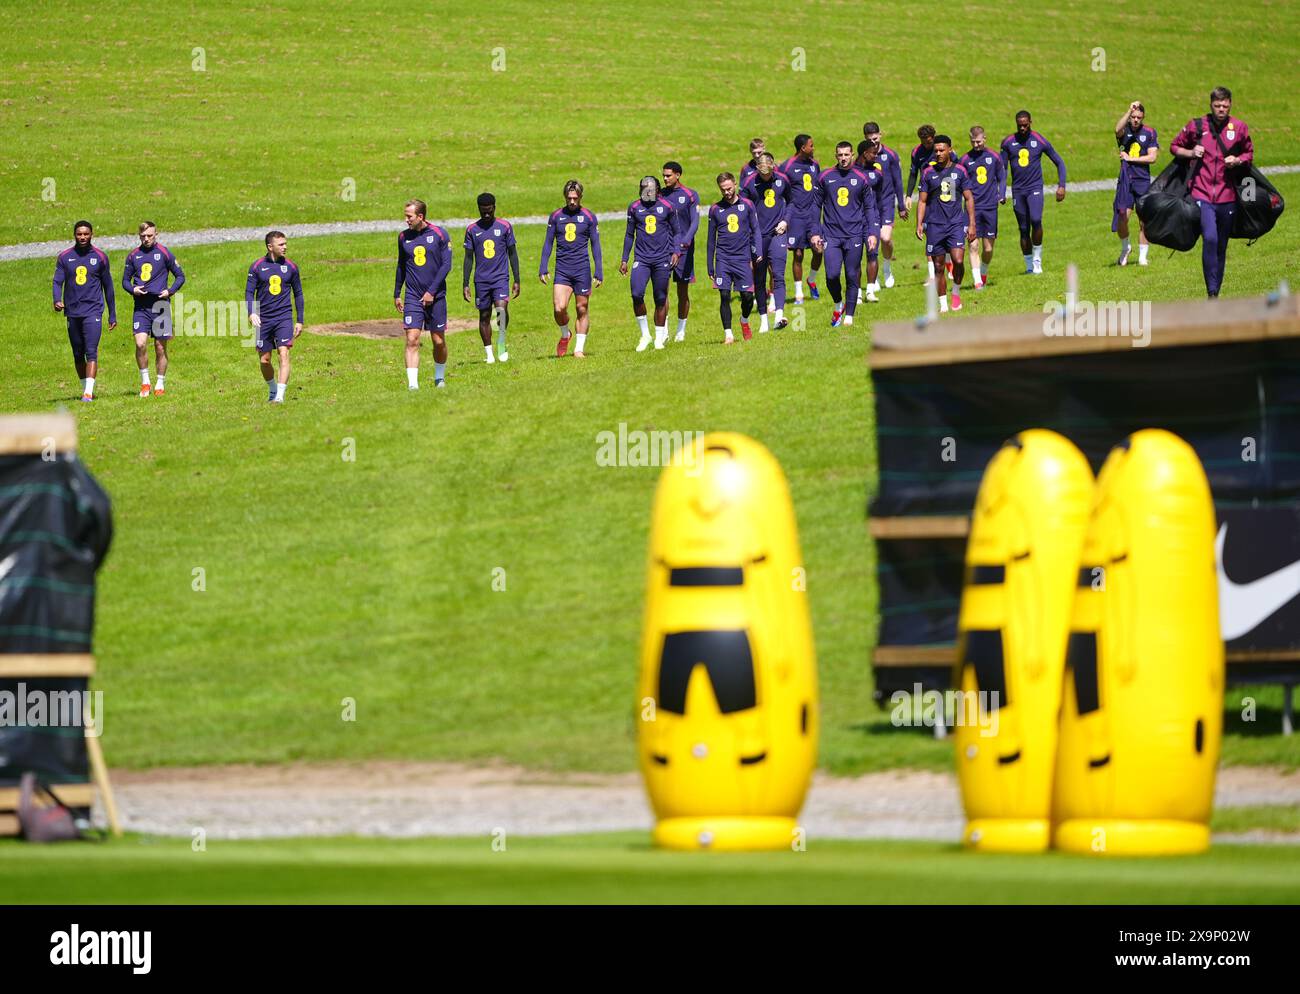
622,868
372,579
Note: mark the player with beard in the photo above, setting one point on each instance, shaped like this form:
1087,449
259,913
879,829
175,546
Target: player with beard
984,169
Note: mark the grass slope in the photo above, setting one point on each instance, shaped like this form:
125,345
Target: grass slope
372,579
622,868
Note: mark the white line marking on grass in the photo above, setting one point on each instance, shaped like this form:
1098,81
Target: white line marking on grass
217,236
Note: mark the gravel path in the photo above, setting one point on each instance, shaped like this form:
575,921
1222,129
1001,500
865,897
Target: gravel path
420,799
216,236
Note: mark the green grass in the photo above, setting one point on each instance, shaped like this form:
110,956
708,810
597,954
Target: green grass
1264,817
372,579
623,868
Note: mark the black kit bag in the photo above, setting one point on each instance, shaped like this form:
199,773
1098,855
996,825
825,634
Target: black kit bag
1169,215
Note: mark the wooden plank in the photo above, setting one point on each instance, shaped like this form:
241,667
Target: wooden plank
25,434
1176,324
921,526
74,795
914,655
8,824
18,665
942,655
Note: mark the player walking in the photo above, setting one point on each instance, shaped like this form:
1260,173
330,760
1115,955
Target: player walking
82,283
922,158
266,297
1138,148
489,241
735,244
889,196
987,182
144,277
945,209
687,203
423,262
1022,154
574,232
802,170
844,214
652,229
769,192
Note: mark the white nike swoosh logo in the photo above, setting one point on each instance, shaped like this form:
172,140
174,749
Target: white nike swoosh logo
1244,606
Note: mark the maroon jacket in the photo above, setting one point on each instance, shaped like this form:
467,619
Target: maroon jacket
1213,181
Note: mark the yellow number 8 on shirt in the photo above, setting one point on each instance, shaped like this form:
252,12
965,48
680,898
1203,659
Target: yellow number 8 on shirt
419,255
651,224
733,223
1023,158
807,181
1135,150
274,286
945,191
982,175
570,231
81,275
842,196
769,198
489,249
146,271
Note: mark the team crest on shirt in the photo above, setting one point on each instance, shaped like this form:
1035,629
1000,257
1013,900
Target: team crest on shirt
988,160
659,210
853,181
681,200
496,231
156,257
1033,144
94,261
429,239
1231,135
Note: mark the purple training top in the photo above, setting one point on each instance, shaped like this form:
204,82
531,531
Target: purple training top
922,158
890,194
771,198
945,207
1136,143
269,283
82,282
572,232
1024,161
802,174
734,238
845,203
686,203
491,247
423,262
987,180
148,268
654,229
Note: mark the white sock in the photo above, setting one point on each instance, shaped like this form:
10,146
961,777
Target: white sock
439,371
930,270
279,390
487,350
726,333
144,377
661,335
798,289
413,377
943,304
681,326
643,322
1038,253
848,319
780,314
160,381
771,304
1142,252
89,388
762,323
582,343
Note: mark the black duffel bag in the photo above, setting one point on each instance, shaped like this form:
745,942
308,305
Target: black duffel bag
1259,205
1169,215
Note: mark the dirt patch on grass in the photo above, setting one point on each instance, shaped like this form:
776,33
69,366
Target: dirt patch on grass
387,328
